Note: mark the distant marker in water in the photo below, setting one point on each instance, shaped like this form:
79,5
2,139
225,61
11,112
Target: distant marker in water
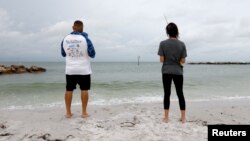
138,60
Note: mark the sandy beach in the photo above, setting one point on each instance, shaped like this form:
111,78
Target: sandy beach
134,122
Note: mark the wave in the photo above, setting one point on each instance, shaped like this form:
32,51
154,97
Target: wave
118,101
93,83
30,87
126,85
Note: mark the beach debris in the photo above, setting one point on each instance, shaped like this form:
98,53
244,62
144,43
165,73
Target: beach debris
45,136
127,124
203,122
31,135
3,133
25,136
6,134
106,109
2,126
70,137
56,140
136,121
99,126
130,123
18,69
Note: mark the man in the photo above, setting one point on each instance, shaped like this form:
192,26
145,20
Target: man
77,48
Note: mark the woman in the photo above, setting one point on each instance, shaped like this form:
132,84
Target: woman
172,54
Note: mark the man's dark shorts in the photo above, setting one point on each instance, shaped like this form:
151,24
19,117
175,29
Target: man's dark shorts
82,80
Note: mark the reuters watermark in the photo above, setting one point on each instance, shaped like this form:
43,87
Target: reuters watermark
235,132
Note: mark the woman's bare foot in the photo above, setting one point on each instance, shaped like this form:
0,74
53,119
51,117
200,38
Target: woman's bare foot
69,115
85,115
165,120
183,116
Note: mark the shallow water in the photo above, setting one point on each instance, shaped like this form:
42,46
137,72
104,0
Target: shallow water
115,83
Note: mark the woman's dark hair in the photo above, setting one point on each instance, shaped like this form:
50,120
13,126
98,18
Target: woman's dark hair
172,30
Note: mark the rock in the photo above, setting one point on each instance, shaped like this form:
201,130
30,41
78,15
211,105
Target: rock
17,69
21,70
219,63
7,70
17,66
33,69
2,69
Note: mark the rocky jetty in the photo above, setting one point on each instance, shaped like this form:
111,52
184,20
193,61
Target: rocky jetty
219,63
17,69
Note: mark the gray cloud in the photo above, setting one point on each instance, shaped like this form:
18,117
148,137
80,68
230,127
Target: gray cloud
122,30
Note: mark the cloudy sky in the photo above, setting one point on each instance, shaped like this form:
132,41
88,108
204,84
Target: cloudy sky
121,30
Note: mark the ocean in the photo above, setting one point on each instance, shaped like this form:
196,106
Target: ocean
118,83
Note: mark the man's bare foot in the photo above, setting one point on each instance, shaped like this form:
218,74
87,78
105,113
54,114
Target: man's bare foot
183,120
68,115
85,115
165,120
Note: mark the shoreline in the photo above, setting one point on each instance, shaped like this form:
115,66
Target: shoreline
139,101
138,121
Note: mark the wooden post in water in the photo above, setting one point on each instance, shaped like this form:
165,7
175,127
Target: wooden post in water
138,60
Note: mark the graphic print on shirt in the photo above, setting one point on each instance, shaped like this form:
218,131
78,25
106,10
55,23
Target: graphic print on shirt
73,49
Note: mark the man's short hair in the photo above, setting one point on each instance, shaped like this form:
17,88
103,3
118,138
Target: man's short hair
172,30
78,23
78,26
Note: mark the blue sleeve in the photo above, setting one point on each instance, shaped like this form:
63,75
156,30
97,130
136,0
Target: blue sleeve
62,50
91,49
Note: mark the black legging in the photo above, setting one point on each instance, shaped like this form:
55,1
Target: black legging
178,81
